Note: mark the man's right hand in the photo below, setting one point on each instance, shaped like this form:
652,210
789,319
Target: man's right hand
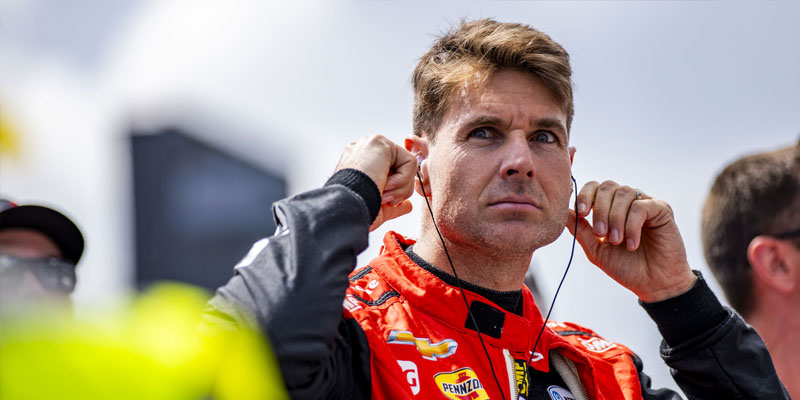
390,166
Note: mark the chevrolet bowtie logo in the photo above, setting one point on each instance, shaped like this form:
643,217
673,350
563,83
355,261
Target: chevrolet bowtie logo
443,349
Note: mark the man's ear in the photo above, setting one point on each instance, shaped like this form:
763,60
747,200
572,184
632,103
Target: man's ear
774,263
418,146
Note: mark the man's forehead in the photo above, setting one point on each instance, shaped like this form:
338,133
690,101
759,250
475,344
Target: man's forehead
489,104
24,242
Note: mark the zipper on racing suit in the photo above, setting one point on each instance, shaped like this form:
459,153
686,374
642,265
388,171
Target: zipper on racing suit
512,374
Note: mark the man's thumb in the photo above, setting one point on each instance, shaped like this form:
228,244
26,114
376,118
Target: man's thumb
585,234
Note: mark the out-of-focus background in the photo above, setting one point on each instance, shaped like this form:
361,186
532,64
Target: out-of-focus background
166,129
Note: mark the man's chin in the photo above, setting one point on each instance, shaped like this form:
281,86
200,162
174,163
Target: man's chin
521,236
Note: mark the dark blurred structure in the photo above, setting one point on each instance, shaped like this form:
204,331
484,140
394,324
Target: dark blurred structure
197,209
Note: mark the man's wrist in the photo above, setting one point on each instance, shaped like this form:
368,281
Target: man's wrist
687,315
686,282
362,185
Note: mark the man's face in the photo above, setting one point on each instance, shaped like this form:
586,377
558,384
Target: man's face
18,293
499,167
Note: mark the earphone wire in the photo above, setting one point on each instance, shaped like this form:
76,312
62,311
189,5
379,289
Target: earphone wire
555,296
458,281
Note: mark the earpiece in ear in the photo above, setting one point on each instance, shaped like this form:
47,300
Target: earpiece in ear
419,167
573,188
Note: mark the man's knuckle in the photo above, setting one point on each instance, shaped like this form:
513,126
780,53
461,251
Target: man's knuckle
599,214
638,208
373,139
607,187
627,191
617,213
609,184
663,204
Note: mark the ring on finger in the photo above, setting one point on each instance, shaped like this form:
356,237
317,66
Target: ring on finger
638,193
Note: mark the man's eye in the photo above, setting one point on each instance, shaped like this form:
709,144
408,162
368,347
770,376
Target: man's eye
481,133
544,137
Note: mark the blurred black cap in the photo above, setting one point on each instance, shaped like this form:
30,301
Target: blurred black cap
50,222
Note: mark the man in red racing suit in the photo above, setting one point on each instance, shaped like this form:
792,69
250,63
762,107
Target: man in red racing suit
292,286
448,316
425,332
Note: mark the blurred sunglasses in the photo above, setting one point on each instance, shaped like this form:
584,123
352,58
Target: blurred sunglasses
52,273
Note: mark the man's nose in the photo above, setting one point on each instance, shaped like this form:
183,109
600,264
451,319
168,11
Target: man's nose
517,158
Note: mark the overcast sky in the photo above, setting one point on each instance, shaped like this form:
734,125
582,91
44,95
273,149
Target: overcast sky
665,94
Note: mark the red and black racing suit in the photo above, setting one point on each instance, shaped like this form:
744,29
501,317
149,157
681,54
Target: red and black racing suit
402,332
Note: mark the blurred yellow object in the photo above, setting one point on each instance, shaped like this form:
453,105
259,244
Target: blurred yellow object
9,138
149,350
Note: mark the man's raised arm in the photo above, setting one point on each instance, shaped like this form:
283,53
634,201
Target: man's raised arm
291,285
634,239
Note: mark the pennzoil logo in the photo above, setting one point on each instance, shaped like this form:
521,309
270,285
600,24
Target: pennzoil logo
429,351
597,345
461,384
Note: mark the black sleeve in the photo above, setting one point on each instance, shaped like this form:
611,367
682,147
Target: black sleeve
712,352
648,393
291,286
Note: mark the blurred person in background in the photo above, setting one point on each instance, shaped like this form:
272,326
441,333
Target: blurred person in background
751,240
39,250
145,347
490,152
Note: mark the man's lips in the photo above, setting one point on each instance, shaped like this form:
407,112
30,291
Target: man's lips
515,202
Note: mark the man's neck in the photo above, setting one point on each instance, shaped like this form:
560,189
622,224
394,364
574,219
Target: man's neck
779,329
501,271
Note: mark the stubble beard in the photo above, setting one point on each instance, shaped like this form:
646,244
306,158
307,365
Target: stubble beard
493,240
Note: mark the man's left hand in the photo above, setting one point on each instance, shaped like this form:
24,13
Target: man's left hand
633,239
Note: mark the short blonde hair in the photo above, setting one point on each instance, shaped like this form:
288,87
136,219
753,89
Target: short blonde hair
472,51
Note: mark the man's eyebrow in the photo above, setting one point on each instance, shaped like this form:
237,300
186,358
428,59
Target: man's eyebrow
489,120
551,123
